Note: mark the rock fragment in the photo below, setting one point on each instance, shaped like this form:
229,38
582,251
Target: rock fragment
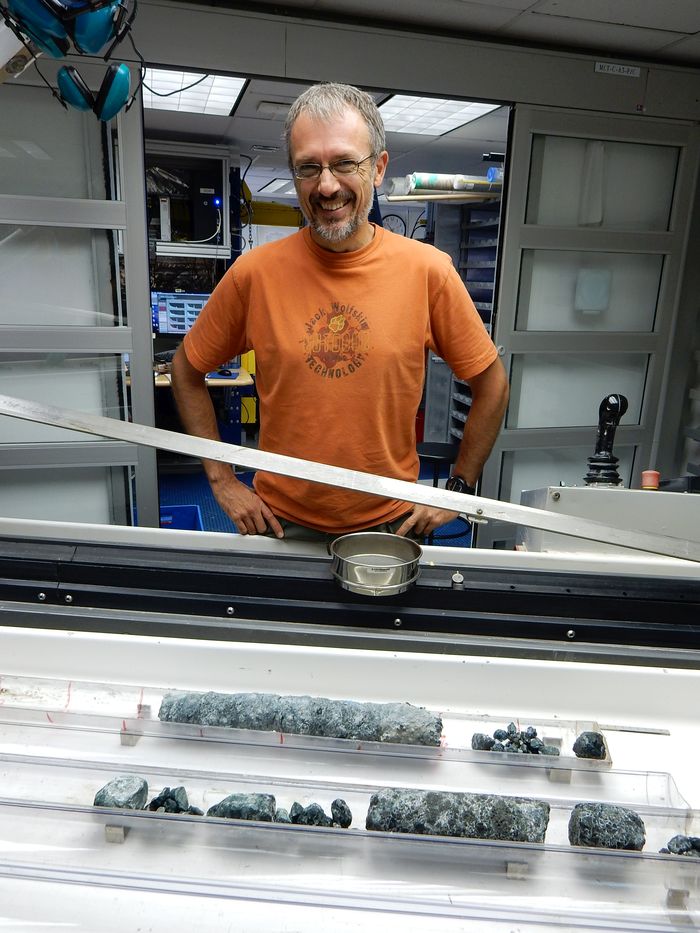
245,807
590,745
341,814
126,791
313,815
607,826
444,813
282,816
173,800
513,740
306,715
683,845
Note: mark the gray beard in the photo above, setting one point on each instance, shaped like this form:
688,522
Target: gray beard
337,233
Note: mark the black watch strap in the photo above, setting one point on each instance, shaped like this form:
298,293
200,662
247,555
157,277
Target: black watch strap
457,484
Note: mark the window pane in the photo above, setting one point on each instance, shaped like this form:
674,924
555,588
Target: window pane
75,494
599,183
567,290
46,150
93,383
558,390
534,469
58,276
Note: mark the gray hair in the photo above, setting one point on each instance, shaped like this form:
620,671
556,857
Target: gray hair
324,101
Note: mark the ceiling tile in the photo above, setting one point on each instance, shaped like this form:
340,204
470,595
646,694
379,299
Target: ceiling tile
675,16
578,33
686,49
462,15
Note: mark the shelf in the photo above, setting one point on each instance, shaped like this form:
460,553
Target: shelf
454,197
482,244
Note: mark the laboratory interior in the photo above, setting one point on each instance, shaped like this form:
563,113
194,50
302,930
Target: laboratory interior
491,728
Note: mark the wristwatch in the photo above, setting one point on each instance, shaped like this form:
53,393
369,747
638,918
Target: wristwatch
458,484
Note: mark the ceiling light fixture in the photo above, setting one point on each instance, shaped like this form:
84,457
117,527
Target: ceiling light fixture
429,116
189,92
275,186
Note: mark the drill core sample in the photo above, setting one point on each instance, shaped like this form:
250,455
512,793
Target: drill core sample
127,791
683,845
245,807
445,813
606,825
590,745
305,715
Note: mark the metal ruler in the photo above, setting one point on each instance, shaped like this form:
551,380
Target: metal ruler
251,459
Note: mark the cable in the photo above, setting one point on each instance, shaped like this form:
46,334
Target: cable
214,234
415,225
250,162
179,90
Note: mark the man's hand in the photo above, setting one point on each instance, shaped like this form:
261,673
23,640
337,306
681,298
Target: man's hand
423,520
244,507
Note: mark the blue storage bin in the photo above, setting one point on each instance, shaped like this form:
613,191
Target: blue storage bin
184,517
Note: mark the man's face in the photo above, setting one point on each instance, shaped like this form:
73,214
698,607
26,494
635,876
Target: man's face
336,207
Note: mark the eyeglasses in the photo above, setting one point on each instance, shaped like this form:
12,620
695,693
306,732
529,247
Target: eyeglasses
308,170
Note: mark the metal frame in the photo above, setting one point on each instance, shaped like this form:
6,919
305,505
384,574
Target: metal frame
646,437
195,594
126,216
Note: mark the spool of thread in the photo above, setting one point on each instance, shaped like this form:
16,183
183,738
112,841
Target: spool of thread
650,479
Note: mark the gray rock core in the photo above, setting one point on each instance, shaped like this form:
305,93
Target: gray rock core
444,813
306,715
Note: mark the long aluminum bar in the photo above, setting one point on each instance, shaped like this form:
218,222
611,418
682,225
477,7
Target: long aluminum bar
252,459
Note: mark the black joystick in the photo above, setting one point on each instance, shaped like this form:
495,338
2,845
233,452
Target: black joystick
602,466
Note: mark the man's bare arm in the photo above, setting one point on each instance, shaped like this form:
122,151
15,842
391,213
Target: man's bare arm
489,400
198,417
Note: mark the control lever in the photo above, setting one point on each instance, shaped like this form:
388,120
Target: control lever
602,466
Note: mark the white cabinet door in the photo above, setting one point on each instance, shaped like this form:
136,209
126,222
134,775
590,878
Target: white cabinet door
592,255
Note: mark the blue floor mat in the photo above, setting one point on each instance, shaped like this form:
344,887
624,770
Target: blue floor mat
192,488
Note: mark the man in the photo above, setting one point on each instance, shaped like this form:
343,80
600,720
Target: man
340,315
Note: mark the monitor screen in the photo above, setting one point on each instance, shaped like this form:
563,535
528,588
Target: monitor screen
175,312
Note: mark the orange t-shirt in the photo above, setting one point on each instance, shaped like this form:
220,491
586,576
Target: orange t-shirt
340,344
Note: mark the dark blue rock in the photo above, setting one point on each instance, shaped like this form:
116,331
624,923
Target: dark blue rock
306,715
282,816
606,826
313,815
245,807
500,735
590,745
482,743
340,812
549,750
172,800
127,792
684,845
498,747
444,813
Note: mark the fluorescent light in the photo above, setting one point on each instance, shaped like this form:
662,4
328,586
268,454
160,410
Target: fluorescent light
194,93
429,116
275,185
